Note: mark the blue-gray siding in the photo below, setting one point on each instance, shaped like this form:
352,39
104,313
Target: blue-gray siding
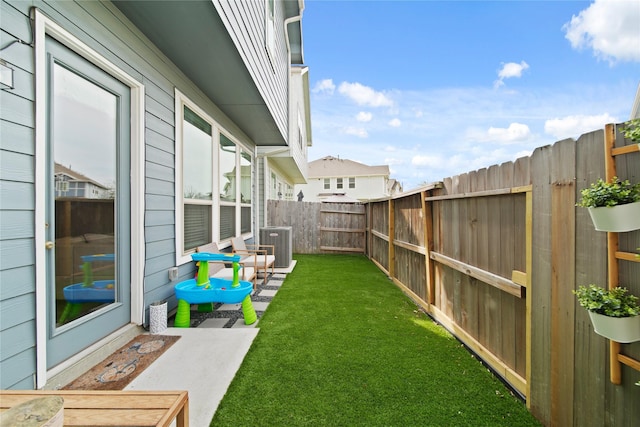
103,28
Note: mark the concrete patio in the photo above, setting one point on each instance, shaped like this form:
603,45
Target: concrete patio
206,357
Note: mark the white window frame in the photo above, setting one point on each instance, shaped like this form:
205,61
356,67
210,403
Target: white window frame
183,257
352,182
326,184
339,183
270,29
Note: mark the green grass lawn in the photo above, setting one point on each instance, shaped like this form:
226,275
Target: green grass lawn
341,345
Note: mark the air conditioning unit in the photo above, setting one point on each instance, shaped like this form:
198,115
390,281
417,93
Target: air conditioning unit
281,239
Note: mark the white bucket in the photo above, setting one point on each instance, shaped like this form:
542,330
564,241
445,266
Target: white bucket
157,317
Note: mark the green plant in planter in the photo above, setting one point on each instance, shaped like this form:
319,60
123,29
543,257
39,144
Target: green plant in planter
602,193
616,302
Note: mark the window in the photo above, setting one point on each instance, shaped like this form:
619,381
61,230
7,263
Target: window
339,183
274,183
227,180
327,183
352,182
270,28
197,187
214,182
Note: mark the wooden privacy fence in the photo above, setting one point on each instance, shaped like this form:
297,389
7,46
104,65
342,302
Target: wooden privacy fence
494,255
321,227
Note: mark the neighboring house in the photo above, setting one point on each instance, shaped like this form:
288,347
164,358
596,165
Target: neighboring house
177,107
635,108
69,183
331,176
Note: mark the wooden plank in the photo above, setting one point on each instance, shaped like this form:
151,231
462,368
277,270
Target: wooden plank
615,367
562,281
112,408
344,230
428,243
467,195
519,277
509,252
339,249
635,364
489,278
392,236
590,267
627,256
411,247
538,398
380,235
628,149
492,296
341,212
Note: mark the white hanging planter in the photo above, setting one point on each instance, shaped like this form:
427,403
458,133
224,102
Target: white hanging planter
619,329
619,218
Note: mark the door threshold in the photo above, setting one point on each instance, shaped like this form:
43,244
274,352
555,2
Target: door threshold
67,371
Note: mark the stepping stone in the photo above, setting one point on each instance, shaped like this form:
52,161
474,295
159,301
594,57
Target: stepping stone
230,307
268,293
260,306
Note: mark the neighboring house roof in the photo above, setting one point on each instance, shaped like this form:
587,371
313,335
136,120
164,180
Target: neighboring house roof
75,176
330,166
394,186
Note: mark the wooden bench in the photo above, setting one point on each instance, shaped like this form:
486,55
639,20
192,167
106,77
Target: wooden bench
111,408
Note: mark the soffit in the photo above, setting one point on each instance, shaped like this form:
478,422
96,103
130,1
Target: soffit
192,35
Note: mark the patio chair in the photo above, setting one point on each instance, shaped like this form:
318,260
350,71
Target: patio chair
219,269
264,255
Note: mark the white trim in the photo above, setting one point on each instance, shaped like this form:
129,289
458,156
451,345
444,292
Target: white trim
182,100
45,26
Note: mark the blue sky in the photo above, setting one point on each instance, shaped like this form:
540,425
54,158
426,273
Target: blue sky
438,88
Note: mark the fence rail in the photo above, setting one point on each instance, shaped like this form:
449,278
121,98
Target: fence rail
494,256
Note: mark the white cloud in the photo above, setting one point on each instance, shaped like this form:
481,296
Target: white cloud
609,28
510,70
364,116
426,161
516,132
324,86
390,149
574,126
364,95
393,161
395,123
355,131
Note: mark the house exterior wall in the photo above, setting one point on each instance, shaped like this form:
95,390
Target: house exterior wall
102,27
299,118
270,73
366,188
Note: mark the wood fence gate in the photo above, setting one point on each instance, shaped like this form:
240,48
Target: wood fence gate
321,227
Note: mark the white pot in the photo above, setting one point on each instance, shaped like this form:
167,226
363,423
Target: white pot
617,219
157,317
619,329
